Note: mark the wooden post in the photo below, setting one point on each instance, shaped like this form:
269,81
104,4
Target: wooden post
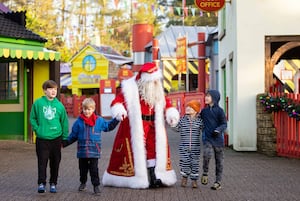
268,70
155,49
201,63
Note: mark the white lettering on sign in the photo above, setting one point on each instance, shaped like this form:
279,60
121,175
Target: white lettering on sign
210,4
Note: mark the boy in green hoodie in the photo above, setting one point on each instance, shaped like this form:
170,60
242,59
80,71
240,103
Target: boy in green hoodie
49,121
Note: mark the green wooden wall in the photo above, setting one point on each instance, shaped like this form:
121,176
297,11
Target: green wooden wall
12,125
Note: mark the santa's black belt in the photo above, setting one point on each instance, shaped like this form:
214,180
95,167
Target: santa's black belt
148,117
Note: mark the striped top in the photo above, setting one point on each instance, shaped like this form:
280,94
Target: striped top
190,132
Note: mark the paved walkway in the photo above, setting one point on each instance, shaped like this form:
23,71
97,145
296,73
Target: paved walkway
248,176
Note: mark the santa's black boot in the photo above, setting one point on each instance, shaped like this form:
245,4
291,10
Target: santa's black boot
154,183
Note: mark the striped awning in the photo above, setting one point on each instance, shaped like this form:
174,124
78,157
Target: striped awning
43,54
66,80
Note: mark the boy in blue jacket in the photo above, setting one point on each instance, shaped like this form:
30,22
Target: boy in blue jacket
215,123
87,131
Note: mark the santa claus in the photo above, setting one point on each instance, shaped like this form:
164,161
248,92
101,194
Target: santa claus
140,156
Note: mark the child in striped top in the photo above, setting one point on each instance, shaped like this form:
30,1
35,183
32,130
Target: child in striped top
190,128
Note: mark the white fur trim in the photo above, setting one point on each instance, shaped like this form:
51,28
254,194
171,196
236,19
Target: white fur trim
168,178
131,96
172,116
146,77
151,163
121,181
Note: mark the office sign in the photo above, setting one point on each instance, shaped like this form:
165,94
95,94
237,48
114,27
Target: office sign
210,5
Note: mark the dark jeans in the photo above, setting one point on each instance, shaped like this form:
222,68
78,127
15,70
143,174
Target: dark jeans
89,164
208,151
48,150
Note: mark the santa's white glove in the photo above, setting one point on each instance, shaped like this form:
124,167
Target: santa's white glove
172,116
118,111
173,122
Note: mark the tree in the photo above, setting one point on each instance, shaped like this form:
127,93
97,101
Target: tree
42,18
117,33
70,24
185,12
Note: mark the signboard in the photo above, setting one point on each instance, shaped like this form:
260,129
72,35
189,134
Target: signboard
107,95
286,74
124,73
107,86
210,5
181,48
105,101
88,70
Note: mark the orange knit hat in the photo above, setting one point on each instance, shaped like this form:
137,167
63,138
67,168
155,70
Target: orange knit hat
196,105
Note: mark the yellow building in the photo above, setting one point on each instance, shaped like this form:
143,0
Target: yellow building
92,64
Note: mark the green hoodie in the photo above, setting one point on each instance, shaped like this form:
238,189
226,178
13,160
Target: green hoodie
49,119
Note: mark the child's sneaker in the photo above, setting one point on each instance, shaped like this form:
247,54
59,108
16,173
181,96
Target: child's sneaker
96,190
82,187
204,179
53,188
41,188
194,184
216,186
183,181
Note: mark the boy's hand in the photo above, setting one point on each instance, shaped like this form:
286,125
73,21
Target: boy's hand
215,133
64,143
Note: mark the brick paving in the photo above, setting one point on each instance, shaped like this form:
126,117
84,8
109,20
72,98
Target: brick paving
248,176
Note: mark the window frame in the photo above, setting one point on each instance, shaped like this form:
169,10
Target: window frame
17,99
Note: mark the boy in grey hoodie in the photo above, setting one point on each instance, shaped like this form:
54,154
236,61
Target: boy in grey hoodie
215,123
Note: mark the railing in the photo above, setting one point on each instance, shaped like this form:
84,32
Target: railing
180,99
73,104
288,130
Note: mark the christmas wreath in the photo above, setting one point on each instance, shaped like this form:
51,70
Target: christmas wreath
281,103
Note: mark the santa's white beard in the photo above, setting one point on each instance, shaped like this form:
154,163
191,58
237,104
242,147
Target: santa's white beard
151,92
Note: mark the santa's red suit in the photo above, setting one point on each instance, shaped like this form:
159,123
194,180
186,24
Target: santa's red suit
141,142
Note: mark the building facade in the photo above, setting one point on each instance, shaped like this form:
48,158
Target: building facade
188,80
24,65
254,36
92,64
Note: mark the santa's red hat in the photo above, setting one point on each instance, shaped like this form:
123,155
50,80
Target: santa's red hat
149,72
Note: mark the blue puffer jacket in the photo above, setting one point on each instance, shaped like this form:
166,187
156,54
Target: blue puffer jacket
89,137
214,121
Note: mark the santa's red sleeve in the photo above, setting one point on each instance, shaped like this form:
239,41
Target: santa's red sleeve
119,99
168,103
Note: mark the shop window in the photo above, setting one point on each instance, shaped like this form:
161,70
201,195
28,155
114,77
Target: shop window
215,47
9,87
222,27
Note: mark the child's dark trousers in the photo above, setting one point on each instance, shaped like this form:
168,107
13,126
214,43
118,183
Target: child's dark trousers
48,150
91,165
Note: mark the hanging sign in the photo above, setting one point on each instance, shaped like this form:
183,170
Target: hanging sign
181,54
210,5
124,74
